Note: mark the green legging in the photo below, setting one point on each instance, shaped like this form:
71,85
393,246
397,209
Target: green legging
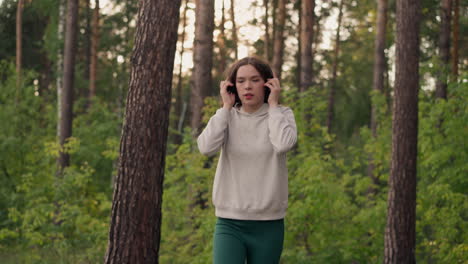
258,242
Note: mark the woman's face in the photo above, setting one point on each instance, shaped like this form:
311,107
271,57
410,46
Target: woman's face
250,87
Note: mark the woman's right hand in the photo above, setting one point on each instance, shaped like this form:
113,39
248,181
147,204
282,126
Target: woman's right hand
228,98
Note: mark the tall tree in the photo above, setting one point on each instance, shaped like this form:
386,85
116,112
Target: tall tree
379,71
401,213
456,36
201,81
66,116
278,48
306,38
222,43
88,36
234,29
180,105
266,40
135,229
331,97
94,48
59,80
19,33
444,48
273,27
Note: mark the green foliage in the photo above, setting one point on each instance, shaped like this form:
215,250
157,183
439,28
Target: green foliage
66,216
188,214
442,200
337,213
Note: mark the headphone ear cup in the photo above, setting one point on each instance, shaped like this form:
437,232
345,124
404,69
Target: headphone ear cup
267,94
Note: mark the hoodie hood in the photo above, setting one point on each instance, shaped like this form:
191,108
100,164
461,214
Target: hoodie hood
263,110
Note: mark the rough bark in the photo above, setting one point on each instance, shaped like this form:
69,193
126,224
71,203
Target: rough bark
68,80
378,77
179,102
266,40
401,221
19,30
222,44
59,80
306,38
88,37
94,50
201,81
135,228
234,30
444,48
456,37
331,97
278,49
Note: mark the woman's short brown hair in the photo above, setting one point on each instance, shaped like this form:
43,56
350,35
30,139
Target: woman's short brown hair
261,66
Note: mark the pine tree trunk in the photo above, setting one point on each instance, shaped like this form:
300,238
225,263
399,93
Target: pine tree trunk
59,80
273,29
444,48
306,37
378,78
401,213
456,36
222,44
68,81
234,30
19,34
266,45
331,97
299,48
316,36
94,50
179,102
88,36
278,48
135,228
202,60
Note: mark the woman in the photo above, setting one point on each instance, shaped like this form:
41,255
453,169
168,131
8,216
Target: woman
250,191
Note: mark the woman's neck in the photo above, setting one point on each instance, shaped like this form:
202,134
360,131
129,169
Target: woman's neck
251,109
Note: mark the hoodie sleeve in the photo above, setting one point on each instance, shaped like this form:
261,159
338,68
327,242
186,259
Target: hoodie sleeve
282,126
213,136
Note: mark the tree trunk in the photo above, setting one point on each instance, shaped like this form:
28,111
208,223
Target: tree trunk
59,81
179,102
202,60
19,34
222,44
88,44
94,50
316,36
135,228
306,37
278,48
299,48
68,81
456,36
401,220
273,29
234,30
378,78
266,45
444,49
331,97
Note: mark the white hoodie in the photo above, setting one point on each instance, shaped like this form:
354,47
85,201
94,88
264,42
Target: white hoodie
251,181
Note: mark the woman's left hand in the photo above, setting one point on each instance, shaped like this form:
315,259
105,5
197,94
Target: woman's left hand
275,89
